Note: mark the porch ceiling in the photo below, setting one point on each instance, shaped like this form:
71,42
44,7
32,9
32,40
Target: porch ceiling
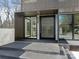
41,12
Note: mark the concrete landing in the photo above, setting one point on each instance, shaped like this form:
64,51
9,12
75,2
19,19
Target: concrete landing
31,50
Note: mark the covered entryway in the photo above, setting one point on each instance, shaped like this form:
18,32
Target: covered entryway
30,50
36,24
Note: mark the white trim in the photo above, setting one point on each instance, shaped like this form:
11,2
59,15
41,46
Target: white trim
38,27
56,27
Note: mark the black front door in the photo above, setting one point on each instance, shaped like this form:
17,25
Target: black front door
47,27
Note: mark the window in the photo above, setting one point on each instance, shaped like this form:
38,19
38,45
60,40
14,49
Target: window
65,26
76,26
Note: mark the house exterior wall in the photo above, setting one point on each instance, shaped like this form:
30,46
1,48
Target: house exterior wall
39,5
68,5
61,5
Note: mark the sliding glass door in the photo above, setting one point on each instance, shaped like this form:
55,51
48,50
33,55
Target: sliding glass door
30,27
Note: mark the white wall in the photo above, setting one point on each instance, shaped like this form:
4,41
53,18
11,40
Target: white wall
6,36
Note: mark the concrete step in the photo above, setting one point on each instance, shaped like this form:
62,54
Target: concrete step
31,50
74,48
8,57
24,53
14,53
21,54
17,45
50,47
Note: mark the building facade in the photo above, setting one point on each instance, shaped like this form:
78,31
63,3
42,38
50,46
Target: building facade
39,19
48,19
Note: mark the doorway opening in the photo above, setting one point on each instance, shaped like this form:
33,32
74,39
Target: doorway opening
30,27
46,27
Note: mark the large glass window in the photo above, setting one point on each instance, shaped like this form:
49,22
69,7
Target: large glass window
7,10
65,26
76,26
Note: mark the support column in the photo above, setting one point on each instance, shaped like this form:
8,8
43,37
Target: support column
38,27
56,28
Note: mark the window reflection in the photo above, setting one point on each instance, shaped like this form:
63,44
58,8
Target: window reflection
65,26
76,26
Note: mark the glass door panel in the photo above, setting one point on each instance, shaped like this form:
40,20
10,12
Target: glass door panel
30,27
47,27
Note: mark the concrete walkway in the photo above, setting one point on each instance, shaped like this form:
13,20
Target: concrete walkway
31,50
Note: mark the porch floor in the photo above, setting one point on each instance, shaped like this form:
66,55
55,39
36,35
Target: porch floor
31,50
